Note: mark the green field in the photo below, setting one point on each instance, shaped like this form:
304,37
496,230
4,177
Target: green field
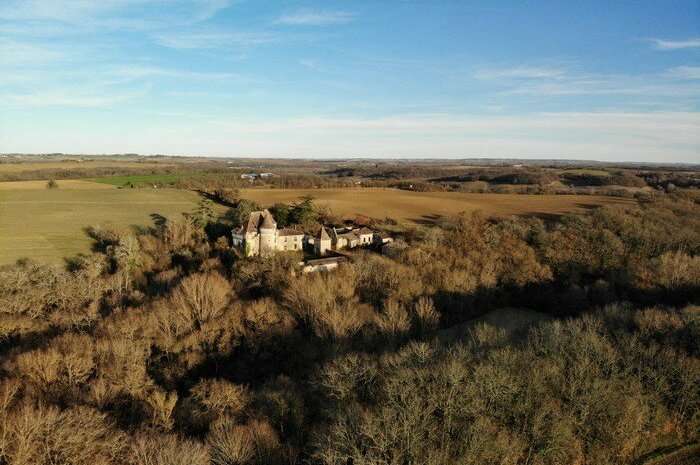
48,225
138,179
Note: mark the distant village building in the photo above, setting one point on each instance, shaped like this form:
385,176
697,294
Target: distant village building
259,235
254,176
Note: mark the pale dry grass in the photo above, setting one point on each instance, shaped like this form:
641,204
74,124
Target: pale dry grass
421,207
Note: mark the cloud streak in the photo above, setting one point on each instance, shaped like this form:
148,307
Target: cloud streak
22,53
685,72
75,11
561,82
664,44
315,18
520,72
71,98
190,40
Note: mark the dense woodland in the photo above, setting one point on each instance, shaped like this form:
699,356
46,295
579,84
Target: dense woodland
167,347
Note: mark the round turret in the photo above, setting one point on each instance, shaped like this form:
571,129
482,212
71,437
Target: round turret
268,234
268,222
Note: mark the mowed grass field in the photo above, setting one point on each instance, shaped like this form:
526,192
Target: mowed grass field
48,225
423,207
165,178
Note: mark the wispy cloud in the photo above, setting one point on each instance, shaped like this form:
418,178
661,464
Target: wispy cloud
129,72
520,72
187,40
130,15
315,18
22,53
209,8
609,85
685,72
72,98
664,44
559,81
311,64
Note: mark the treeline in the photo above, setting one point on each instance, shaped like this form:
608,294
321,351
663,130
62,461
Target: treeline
517,176
227,186
519,179
168,347
103,171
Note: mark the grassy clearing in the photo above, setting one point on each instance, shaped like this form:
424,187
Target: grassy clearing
138,179
48,225
422,207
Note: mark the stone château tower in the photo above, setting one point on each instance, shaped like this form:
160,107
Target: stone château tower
268,234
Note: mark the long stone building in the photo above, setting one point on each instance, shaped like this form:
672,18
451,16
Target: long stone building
330,239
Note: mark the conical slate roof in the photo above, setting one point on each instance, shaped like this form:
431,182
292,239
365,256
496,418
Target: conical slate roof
268,221
322,234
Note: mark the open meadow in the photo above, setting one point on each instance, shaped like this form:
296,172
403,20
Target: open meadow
422,207
48,224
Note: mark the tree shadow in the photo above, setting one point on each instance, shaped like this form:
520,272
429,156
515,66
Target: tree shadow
215,198
426,220
544,216
100,241
159,221
74,264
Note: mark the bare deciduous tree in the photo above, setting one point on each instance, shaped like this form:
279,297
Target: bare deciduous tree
427,318
200,297
161,405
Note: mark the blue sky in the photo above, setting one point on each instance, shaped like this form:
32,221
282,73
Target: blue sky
606,80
